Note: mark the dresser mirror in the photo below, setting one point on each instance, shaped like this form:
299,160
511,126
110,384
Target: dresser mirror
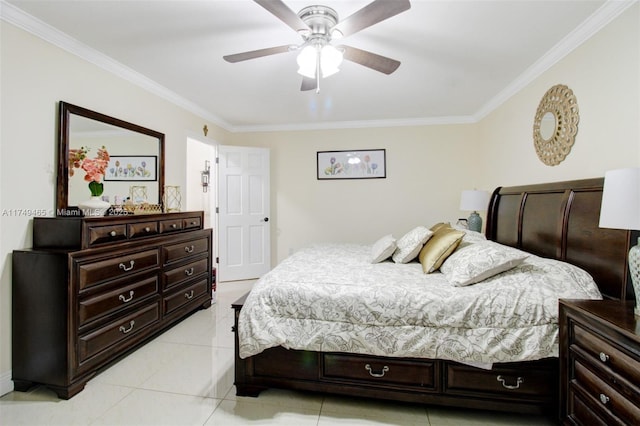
137,158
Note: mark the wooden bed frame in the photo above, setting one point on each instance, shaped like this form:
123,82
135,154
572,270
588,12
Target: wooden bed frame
555,220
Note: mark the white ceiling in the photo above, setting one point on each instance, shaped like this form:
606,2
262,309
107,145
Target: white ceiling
460,58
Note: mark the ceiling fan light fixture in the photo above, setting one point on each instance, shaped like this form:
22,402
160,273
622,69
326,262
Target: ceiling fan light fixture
330,60
307,61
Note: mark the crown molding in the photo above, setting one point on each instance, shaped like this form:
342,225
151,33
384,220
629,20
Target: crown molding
333,125
29,23
599,19
603,16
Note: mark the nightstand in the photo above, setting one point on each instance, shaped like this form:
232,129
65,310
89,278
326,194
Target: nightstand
599,363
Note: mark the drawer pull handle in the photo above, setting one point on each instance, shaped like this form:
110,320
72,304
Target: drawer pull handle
174,226
372,374
113,233
189,295
147,229
519,381
604,357
604,399
124,267
189,249
188,272
193,223
124,299
126,330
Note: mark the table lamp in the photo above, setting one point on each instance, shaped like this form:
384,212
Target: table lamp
474,200
621,210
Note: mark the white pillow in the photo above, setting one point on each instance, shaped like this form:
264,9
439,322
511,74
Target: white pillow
383,248
411,243
479,261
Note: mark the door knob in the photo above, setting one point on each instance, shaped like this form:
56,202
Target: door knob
266,219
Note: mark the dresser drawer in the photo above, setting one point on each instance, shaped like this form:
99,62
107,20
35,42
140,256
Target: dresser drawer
182,273
191,223
125,295
501,379
599,351
580,411
185,249
171,225
142,229
604,396
128,263
106,233
185,296
382,371
118,331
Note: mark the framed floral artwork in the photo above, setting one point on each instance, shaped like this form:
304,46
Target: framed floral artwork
132,168
354,164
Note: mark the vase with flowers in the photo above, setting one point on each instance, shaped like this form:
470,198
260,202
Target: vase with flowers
95,169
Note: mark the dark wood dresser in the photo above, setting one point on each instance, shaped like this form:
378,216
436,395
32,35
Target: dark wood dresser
92,289
599,363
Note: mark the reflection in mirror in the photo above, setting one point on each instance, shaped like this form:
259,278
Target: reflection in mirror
547,125
137,157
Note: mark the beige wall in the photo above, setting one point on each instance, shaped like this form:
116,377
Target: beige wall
604,74
427,167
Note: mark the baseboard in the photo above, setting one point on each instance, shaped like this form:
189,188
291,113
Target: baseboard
6,385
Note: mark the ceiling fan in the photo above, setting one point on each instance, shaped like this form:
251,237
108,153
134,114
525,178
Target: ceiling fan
319,26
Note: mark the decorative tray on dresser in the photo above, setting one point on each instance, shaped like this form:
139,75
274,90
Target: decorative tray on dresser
92,289
599,363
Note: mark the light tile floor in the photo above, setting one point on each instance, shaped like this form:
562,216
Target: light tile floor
185,377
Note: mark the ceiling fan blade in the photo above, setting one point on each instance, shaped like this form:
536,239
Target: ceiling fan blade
308,84
238,57
286,15
374,12
370,60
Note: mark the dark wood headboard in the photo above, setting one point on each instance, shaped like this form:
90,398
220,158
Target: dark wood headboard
560,220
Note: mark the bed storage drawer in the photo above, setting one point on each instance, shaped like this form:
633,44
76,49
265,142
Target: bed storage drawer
504,379
283,363
382,371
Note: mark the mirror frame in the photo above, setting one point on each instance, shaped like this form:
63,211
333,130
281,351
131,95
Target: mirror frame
561,102
65,111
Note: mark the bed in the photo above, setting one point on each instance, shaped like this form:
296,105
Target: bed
306,326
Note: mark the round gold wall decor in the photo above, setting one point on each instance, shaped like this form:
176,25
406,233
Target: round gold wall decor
555,125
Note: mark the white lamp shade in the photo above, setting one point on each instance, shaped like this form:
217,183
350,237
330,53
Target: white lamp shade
473,200
621,199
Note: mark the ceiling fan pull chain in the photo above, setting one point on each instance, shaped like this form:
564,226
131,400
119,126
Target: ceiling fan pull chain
318,56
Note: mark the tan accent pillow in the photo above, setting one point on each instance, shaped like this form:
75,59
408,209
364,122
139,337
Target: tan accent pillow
439,225
441,244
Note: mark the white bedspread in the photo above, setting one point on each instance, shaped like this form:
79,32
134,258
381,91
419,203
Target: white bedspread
331,298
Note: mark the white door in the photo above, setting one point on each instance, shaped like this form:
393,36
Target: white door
244,237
